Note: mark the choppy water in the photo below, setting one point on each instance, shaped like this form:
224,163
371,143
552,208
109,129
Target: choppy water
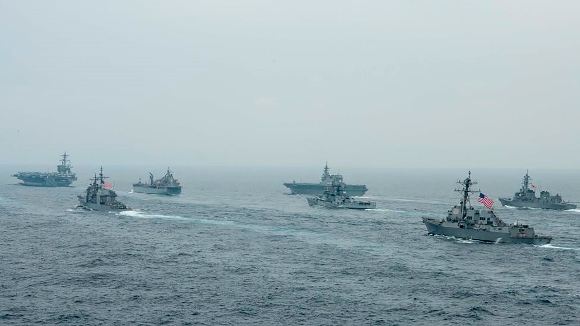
235,249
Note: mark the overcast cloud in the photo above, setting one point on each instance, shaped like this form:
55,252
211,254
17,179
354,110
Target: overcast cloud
291,83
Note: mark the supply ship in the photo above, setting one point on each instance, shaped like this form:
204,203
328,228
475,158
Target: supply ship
167,185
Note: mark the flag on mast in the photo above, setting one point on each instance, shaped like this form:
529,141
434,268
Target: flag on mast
486,201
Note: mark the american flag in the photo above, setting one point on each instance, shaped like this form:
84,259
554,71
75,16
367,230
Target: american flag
486,201
107,185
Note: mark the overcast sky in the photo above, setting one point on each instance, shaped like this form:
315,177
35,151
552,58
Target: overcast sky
472,84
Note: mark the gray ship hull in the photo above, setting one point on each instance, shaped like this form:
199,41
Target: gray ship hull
171,191
536,204
316,189
41,181
349,205
46,184
452,230
97,207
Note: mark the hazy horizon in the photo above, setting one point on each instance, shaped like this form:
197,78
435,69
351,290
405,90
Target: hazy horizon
398,84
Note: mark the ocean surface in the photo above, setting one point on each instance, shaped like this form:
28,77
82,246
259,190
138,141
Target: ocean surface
236,249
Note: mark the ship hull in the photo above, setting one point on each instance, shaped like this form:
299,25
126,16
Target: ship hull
45,182
536,204
316,189
171,191
452,230
97,207
347,205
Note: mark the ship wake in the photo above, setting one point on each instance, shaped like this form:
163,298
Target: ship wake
551,246
141,214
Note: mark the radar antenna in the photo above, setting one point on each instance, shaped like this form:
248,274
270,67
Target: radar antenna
466,191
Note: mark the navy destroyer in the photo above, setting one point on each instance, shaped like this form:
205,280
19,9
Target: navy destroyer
164,186
62,178
100,197
526,197
318,188
335,196
464,221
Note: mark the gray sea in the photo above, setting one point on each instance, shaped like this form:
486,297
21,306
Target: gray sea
236,249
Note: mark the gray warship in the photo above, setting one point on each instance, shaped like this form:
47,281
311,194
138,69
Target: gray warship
62,178
316,189
164,186
99,197
335,196
464,221
526,197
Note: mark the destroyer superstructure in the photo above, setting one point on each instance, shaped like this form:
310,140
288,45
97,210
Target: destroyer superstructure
99,196
526,197
335,196
167,185
464,221
62,178
318,188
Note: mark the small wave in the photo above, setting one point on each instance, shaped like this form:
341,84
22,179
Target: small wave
522,208
575,210
457,240
479,309
510,207
386,210
465,240
141,214
413,200
551,246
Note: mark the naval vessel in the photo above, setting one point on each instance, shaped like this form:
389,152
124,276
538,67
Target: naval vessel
100,197
62,178
464,221
526,197
316,189
335,196
167,185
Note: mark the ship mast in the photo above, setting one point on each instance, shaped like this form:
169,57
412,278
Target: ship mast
466,191
325,174
64,166
64,160
102,177
525,182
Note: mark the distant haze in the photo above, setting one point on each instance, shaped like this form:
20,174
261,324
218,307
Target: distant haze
291,83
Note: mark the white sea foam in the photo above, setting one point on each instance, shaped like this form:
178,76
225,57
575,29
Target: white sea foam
145,215
141,214
386,210
412,200
551,246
